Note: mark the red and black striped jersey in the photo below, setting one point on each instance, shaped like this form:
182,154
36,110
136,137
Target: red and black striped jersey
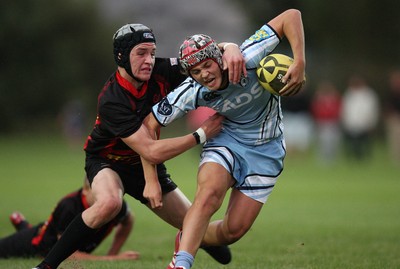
122,108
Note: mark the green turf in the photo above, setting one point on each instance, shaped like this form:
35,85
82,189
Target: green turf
341,216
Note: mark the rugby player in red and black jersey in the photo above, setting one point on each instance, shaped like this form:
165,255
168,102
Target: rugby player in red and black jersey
118,140
36,241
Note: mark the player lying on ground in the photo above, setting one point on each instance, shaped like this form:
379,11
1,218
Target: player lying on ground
36,241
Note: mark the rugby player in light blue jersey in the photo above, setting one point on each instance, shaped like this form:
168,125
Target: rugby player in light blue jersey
247,155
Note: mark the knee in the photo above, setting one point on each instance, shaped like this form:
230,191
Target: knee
106,209
111,206
233,233
210,199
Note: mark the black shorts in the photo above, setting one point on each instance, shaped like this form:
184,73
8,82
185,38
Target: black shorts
131,175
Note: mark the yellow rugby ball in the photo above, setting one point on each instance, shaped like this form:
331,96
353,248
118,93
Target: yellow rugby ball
271,70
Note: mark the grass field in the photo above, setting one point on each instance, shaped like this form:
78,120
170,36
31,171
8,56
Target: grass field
343,216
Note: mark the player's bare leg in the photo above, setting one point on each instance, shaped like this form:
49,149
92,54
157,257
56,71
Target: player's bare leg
232,227
107,190
175,207
213,183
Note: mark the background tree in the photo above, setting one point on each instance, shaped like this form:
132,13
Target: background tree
50,52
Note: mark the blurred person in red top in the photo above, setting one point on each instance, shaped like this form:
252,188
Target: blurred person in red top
325,107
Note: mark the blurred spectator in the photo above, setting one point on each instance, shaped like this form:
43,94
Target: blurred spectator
326,107
393,115
360,113
297,121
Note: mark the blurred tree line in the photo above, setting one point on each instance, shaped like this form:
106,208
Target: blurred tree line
52,52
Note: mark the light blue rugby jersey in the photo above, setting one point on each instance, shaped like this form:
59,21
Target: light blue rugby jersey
253,116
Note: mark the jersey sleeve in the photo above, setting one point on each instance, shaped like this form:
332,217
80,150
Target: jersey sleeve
259,45
177,103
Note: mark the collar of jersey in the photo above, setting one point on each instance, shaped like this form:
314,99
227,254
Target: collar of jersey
130,88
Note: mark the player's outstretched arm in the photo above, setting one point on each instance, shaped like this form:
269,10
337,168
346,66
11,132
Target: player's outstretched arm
158,151
153,151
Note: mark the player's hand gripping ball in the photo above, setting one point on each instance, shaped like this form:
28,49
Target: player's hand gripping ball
271,71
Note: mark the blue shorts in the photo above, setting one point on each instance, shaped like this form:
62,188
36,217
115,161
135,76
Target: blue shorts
255,168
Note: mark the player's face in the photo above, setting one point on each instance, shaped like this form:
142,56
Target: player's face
142,58
208,74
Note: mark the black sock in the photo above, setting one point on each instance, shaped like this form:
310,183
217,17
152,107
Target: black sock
70,241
